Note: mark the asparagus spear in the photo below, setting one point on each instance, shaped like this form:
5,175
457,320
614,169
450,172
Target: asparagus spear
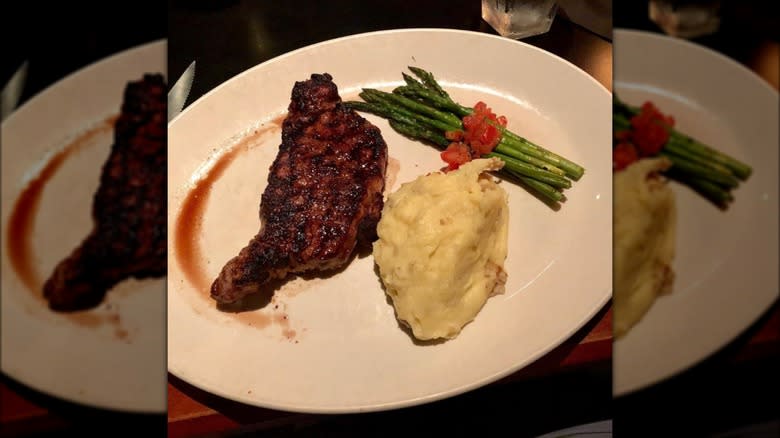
413,105
688,167
376,104
522,148
546,190
536,173
396,111
693,146
415,88
621,123
419,132
429,81
715,193
423,110
710,172
503,149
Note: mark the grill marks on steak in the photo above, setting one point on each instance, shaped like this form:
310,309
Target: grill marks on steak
128,238
324,195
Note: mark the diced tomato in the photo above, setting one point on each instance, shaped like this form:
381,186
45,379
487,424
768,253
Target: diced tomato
649,131
456,154
470,121
480,135
489,136
456,135
649,134
649,107
622,155
624,135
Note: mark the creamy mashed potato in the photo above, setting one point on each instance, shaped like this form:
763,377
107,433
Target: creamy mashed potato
644,240
441,248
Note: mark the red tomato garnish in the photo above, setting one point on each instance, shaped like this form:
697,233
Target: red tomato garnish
456,135
456,154
622,155
489,137
470,121
480,135
481,129
624,135
649,133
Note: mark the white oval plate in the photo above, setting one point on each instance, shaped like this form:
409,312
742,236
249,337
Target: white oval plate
118,364
340,348
726,262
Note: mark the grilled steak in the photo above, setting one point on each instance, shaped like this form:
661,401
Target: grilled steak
324,194
128,238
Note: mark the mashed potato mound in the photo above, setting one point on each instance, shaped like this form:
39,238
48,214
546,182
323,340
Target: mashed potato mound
644,240
442,246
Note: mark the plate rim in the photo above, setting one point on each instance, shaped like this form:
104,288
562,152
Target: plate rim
476,34
20,112
690,45
40,95
597,306
747,74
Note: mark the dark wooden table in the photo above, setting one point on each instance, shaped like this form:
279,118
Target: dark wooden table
65,37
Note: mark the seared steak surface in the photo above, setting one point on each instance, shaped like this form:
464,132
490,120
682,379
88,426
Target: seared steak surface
324,194
129,208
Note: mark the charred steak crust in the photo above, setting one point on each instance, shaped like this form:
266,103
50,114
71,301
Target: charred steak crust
129,234
324,194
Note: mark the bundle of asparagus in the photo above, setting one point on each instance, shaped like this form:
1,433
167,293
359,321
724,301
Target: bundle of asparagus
710,172
423,110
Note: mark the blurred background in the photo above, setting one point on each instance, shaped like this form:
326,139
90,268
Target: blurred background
210,31
65,36
746,31
56,39
736,391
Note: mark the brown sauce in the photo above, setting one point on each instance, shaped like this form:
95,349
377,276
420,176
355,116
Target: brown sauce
190,255
255,318
22,220
189,222
274,314
278,121
21,227
122,334
188,228
88,319
284,322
